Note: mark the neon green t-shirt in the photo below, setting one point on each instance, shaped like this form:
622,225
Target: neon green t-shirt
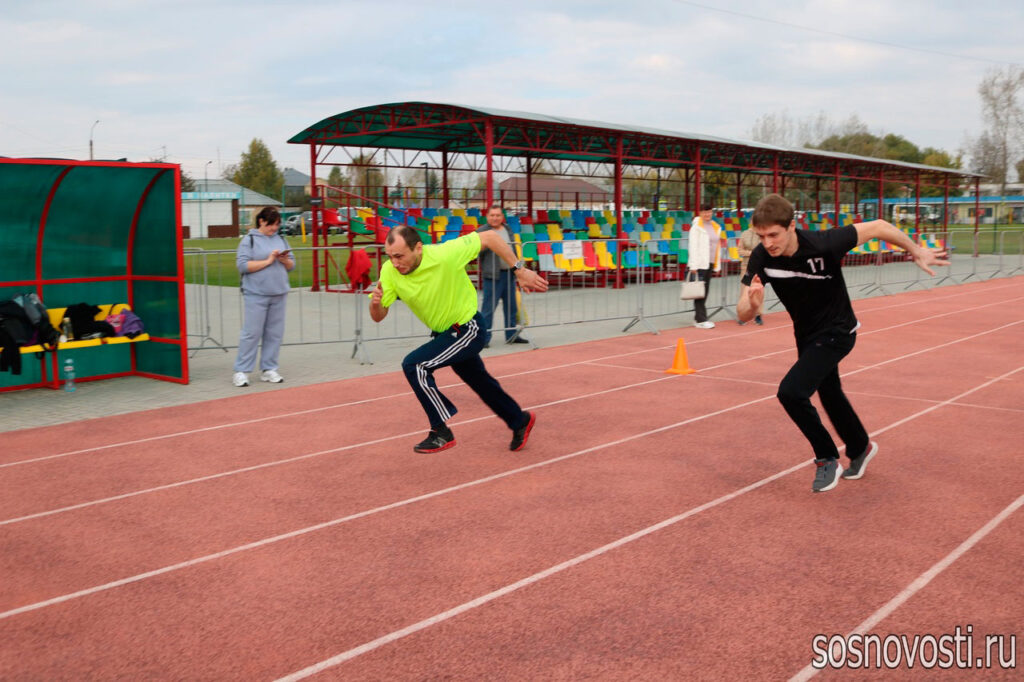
439,292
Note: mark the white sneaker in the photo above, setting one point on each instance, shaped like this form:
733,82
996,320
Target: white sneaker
272,376
240,379
705,325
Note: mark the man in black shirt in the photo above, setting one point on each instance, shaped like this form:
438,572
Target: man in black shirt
804,269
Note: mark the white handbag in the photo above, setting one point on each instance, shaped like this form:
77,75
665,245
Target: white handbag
693,287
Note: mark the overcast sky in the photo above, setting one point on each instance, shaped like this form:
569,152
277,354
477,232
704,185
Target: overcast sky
196,81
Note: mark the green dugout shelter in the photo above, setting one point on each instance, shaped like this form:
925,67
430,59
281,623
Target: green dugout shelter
97,232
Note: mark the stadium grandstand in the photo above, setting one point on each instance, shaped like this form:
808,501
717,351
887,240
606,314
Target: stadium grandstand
450,139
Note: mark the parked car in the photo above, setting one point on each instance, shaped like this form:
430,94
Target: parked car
291,226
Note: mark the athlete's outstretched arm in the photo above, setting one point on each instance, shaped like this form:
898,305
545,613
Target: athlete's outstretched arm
528,279
889,233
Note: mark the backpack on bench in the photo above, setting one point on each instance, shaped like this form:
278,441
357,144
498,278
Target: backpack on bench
45,335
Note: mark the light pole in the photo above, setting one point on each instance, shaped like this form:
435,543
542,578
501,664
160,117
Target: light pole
426,186
90,138
202,228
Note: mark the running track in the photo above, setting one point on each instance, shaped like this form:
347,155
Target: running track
655,526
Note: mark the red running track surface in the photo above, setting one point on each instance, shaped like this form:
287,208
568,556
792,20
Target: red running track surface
655,526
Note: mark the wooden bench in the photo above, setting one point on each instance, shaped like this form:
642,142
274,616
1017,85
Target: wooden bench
57,317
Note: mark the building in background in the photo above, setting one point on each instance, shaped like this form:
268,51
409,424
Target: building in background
548,193
220,208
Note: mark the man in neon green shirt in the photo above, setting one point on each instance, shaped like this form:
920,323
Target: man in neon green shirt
432,281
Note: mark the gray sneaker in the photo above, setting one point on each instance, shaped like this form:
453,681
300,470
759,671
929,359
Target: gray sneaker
827,475
859,464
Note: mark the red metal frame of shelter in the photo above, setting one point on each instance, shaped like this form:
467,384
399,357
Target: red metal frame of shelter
458,130
39,281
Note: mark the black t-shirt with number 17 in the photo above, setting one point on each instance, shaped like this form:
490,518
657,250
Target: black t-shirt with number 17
810,282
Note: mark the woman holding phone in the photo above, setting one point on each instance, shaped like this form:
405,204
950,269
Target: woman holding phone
264,260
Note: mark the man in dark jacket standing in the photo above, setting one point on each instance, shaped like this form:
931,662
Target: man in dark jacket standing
499,284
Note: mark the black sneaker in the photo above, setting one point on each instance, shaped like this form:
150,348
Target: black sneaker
758,320
518,339
859,464
439,438
827,475
520,435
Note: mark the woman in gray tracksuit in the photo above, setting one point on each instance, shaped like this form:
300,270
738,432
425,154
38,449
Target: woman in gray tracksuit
264,261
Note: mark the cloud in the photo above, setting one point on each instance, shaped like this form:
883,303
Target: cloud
204,78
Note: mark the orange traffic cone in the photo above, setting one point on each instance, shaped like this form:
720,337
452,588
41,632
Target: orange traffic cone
680,365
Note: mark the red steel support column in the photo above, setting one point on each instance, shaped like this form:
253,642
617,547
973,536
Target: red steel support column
917,202
817,195
697,199
775,174
444,177
945,204
529,186
489,151
856,198
881,192
977,212
835,192
316,241
619,234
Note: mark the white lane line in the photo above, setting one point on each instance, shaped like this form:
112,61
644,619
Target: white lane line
921,581
575,561
344,448
990,407
462,486
633,369
284,415
298,458
527,581
367,512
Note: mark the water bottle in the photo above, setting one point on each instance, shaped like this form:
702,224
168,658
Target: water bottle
69,375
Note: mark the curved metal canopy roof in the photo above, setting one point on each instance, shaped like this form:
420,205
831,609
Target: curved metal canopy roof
438,127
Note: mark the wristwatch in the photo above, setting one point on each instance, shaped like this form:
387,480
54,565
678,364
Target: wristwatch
519,265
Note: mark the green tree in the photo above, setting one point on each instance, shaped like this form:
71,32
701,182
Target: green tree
257,170
336,178
297,198
188,184
433,184
365,177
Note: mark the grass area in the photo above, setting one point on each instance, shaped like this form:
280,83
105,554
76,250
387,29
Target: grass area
989,240
221,270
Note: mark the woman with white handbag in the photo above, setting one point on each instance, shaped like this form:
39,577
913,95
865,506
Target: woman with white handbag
704,258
